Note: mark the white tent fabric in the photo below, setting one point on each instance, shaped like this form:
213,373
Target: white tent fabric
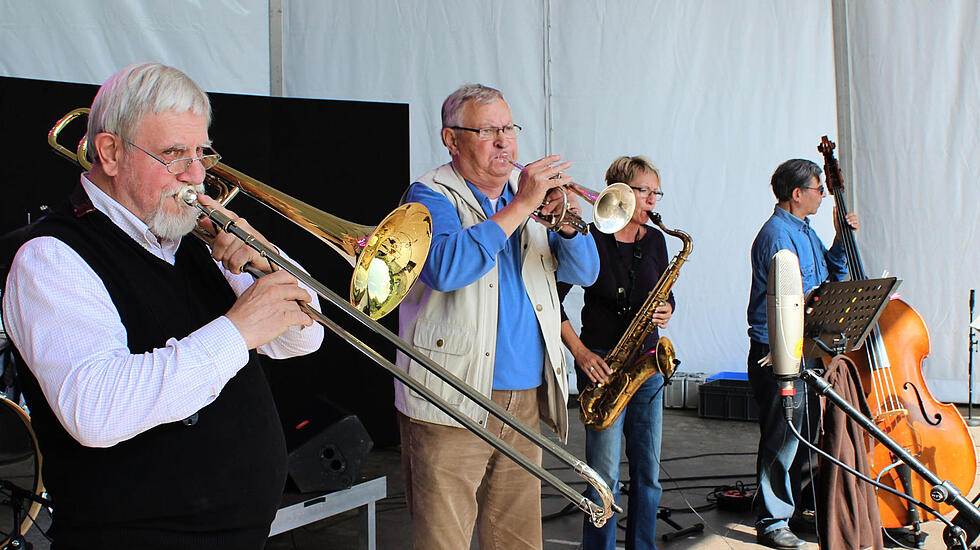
717,93
914,89
222,44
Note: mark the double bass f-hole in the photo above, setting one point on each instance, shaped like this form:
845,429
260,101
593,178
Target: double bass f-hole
938,417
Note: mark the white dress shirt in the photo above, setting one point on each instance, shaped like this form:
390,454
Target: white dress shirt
58,313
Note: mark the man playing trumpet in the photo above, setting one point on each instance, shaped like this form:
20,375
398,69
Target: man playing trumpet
486,309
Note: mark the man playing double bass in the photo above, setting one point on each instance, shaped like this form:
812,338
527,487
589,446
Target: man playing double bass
796,184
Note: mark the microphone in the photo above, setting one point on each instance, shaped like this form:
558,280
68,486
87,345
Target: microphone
784,319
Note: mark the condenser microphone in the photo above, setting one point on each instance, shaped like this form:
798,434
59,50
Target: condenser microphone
784,317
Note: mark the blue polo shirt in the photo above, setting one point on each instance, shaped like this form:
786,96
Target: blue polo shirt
459,257
817,264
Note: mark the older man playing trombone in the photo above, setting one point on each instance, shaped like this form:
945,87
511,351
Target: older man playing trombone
156,423
486,308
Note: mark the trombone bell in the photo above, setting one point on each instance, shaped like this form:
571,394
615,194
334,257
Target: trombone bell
387,258
391,260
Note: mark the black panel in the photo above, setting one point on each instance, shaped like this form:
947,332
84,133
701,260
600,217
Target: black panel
348,158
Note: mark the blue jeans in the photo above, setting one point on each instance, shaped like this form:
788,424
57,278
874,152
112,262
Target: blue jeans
641,422
781,457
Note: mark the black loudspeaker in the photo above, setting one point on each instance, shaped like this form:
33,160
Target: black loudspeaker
327,445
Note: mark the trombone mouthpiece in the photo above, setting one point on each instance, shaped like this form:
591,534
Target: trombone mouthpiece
188,195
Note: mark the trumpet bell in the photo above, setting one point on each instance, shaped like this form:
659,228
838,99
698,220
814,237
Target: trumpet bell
391,260
613,208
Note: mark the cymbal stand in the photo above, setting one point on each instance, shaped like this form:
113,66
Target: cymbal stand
16,540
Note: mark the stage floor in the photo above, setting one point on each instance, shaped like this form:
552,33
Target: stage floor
693,447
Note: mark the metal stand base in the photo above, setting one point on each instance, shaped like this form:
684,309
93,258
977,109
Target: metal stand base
664,515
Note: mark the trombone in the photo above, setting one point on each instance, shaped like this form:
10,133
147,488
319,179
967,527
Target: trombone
387,258
344,236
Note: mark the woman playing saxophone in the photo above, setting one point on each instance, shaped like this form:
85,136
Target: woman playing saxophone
631,262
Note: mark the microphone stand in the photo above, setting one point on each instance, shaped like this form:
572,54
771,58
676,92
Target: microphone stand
967,520
970,421
829,313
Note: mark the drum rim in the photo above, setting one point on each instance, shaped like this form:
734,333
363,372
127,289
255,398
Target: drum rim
38,482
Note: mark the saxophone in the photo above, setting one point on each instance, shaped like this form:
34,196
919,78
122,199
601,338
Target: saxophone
601,404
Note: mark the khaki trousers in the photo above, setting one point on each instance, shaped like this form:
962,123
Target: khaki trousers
453,480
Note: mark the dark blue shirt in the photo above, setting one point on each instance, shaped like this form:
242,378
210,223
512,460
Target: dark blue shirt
817,264
458,257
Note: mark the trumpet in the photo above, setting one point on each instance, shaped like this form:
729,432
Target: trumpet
409,223
612,208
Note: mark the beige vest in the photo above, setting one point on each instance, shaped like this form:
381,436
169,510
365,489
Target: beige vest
458,329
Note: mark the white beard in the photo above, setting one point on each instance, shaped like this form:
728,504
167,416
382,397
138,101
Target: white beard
174,227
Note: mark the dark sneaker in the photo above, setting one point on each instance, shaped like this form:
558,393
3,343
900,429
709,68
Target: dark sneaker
780,538
804,522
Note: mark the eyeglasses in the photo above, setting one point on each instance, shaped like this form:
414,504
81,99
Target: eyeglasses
509,132
643,192
818,189
179,166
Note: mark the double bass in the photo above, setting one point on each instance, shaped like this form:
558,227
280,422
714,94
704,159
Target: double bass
890,363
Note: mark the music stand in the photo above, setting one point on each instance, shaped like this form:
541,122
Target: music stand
839,315
845,313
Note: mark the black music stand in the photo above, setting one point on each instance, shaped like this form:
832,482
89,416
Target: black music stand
839,315
845,313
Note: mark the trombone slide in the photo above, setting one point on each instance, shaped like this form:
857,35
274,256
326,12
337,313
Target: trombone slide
598,514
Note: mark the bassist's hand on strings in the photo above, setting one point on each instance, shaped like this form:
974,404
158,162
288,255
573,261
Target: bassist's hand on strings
851,218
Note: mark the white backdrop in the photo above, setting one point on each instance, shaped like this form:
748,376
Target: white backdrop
222,44
914,92
716,92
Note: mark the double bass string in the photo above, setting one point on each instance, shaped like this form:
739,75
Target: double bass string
881,379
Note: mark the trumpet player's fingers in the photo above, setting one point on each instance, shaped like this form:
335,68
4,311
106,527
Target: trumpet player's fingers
230,250
537,179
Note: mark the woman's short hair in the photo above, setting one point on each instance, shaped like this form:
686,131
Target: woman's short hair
624,169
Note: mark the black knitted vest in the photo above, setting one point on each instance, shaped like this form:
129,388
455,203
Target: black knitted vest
215,484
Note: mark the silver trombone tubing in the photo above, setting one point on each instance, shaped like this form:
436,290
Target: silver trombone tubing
598,514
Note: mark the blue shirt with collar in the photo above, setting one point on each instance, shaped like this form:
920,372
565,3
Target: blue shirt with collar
459,257
817,264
